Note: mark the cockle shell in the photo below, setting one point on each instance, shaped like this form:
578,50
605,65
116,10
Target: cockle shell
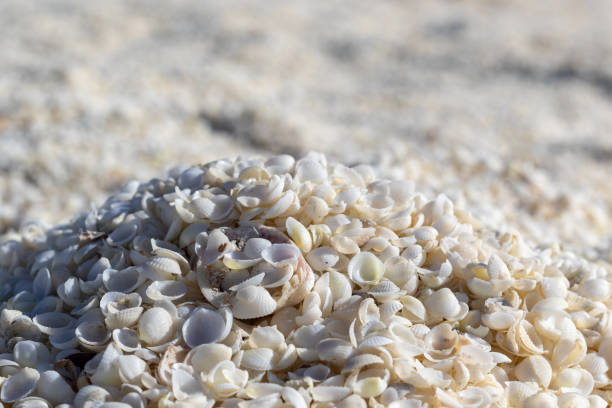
251,302
259,359
170,290
205,356
53,322
534,369
92,335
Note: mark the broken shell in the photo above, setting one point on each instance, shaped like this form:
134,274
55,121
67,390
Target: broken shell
534,369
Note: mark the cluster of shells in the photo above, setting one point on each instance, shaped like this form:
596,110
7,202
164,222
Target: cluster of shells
284,283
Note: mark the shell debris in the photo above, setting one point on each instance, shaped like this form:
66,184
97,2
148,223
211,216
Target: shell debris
278,282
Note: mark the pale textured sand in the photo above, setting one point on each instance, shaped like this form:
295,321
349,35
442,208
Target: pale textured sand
506,106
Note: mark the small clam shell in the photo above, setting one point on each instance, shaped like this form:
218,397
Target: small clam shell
19,385
365,269
161,268
53,388
275,277
89,396
299,234
123,318
206,326
126,339
130,368
205,356
386,291
69,291
334,350
322,258
252,302
170,290
64,340
280,255
123,234
239,260
534,369
42,284
30,353
112,302
92,335
217,245
267,337
258,359
32,402
155,326
329,393
53,322
125,280
361,360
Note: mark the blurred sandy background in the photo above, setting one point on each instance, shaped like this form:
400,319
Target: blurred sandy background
506,106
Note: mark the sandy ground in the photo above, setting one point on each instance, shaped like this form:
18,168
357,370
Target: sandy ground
505,106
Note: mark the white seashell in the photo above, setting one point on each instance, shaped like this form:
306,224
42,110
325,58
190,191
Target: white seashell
161,268
334,350
534,369
293,397
130,368
70,292
134,399
42,284
205,356
443,303
281,205
92,335
385,291
53,388
19,385
541,400
572,400
597,366
107,372
170,290
217,245
266,337
29,353
252,302
365,269
255,280
518,392
257,359
239,260
53,322
361,360
206,326
125,280
322,258
329,393
123,234
90,396
113,302
32,402
576,380
64,340
126,339
299,234
261,389
225,379
370,387
595,289
156,326
281,255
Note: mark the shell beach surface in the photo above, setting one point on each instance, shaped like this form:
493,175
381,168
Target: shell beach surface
284,282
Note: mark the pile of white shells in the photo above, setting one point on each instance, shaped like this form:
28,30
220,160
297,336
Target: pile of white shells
279,283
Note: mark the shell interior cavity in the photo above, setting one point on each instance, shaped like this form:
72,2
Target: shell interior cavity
284,282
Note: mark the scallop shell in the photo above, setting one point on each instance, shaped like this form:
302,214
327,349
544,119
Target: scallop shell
19,385
252,302
206,326
366,269
258,359
161,268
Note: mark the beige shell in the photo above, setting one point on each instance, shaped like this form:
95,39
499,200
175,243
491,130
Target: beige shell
365,269
534,369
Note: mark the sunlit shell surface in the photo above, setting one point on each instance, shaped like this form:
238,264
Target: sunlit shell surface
283,282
